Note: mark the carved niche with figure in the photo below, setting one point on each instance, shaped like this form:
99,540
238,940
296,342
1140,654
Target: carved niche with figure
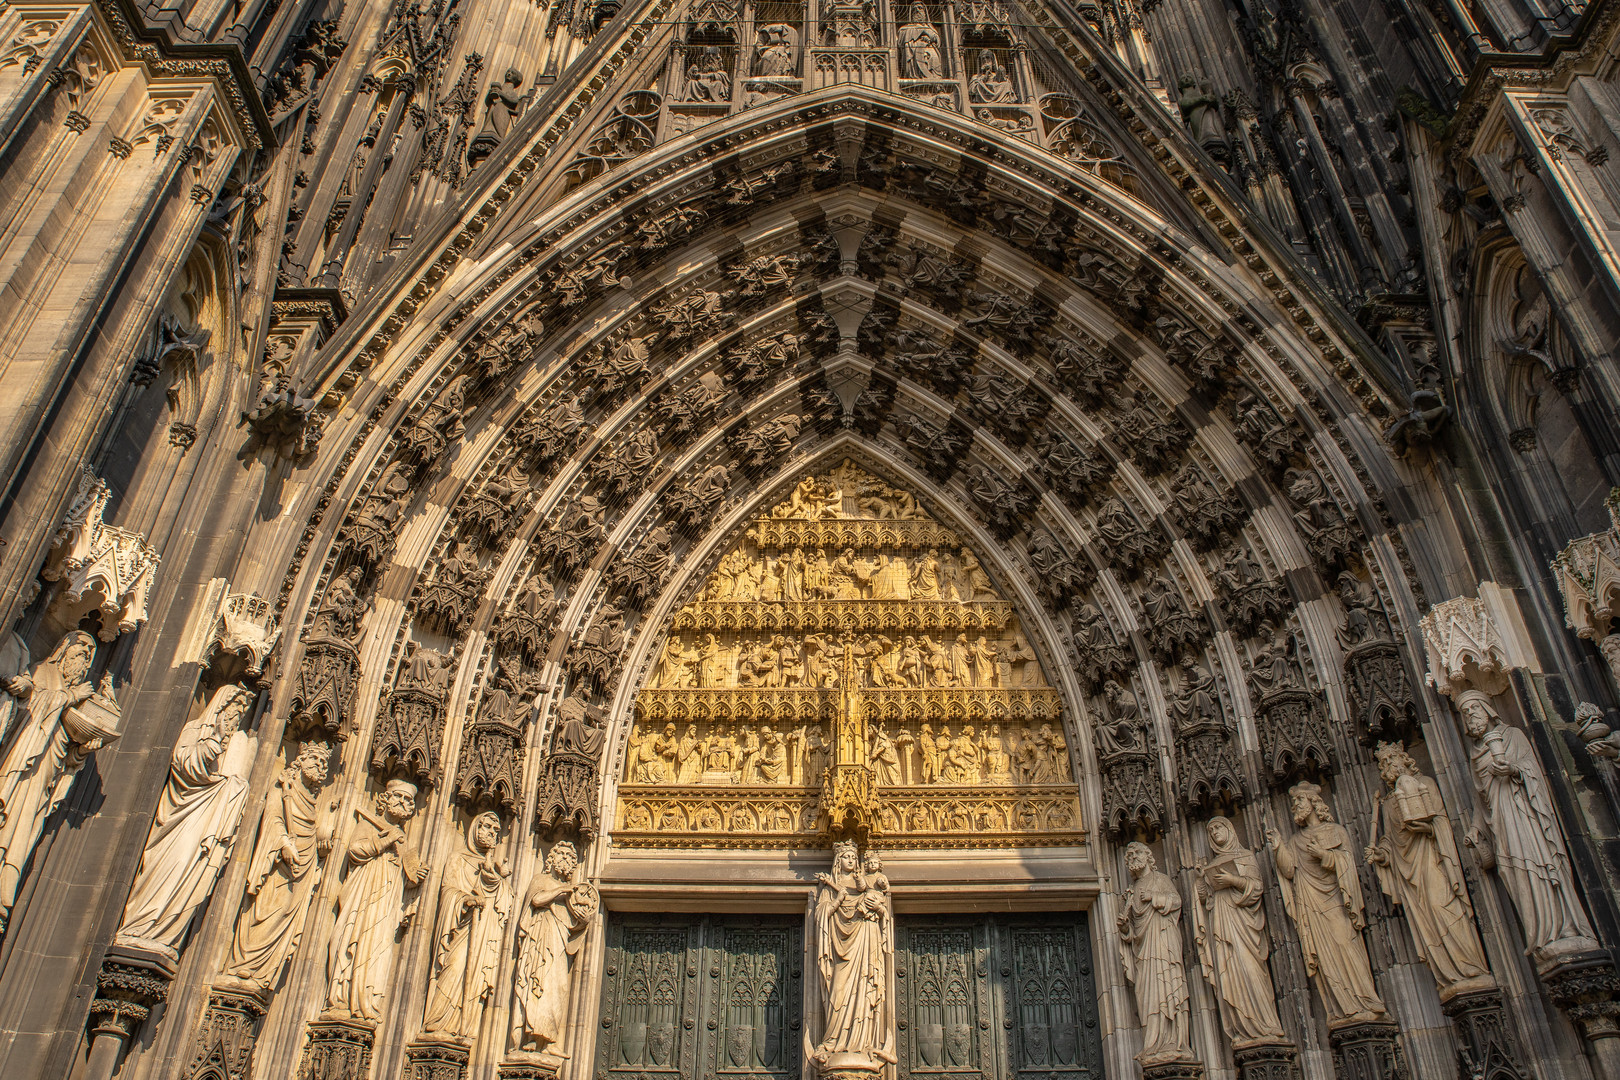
850,656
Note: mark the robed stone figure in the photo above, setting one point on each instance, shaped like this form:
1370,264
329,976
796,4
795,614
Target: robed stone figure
1520,833
375,904
49,743
475,903
1150,950
1323,896
1417,864
551,927
294,836
196,824
1232,940
854,951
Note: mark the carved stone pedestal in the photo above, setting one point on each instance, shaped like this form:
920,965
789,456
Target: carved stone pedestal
1267,1061
1365,1051
1586,987
338,1050
130,984
428,1058
1484,1046
1180,1069
530,1067
227,1035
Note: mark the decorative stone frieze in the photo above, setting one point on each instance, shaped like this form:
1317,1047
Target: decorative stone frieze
99,567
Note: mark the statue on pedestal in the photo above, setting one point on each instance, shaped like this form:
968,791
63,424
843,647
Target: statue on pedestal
854,951
1150,950
551,927
1232,939
475,903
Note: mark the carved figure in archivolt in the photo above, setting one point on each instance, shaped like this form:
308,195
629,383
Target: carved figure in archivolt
1417,864
854,951
1519,833
1150,950
1323,896
551,927
376,903
1232,940
475,902
60,719
195,828
294,836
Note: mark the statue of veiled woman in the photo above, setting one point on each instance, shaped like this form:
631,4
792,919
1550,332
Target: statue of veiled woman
551,927
919,46
854,949
49,746
196,824
475,903
1232,939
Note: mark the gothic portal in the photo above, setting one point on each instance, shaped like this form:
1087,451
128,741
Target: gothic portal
837,540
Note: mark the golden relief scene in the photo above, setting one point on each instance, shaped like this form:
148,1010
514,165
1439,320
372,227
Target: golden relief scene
849,668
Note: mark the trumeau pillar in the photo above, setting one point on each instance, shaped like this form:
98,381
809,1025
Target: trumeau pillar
1472,643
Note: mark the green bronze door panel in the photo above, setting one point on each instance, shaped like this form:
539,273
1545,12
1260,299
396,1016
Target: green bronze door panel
704,997
992,997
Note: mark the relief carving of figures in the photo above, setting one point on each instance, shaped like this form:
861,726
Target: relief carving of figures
854,951
1319,518
1267,435
643,575
777,50
1247,598
1374,674
475,903
1129,546
1322,894
568,792
196,824
1519,832
990,83
760,275
295,834
693,501
59,719
450,600
373,907
576,538
1097,654
631,464
1131,794
596,657
1232,940
525,626
551,434
707,79
1149,925
919,46
552,922
375,530
1418,867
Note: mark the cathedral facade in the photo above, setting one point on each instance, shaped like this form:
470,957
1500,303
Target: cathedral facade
842,540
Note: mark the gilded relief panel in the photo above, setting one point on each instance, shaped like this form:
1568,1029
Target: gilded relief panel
850,657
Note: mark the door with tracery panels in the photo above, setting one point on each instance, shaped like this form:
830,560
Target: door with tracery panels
705,997
992,997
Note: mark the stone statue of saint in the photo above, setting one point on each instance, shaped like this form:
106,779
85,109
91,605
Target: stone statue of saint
1232,939
1417,864
1150,950
475,903
551,928
854,951
196,824
373,907
294,836
1520,833
50,740
1323,896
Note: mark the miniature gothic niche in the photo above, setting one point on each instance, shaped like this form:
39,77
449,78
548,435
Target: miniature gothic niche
848,667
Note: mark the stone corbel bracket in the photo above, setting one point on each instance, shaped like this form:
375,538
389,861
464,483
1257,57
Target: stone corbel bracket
1588,575
99,565
1473,642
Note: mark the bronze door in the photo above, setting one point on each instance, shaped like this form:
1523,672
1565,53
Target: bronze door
993,997
706,997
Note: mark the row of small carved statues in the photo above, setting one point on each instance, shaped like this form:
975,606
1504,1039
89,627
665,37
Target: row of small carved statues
763,755
814,660
799,576
895,817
